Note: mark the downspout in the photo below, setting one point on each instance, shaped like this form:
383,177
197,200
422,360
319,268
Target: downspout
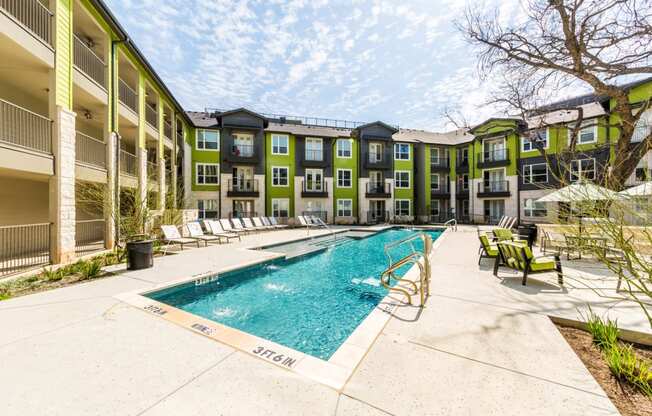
114,128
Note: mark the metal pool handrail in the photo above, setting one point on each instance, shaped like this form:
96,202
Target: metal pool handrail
405,240
413,257
388,274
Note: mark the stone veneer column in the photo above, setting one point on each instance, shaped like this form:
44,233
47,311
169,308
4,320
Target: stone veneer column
110,203
62,188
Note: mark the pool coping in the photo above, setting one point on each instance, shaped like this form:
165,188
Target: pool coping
334,372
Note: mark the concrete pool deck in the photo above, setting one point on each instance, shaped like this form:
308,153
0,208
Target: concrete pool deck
481,346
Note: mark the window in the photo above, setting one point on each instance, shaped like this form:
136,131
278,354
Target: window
402,207
344,207
465,182
207,208
641,129
344,148
582,169
243,144
279,176
281,208
463,156
641,174
465,207
314,149
401,151
208,140
434,155
588,132
207,173
538,140
434,207
535,173
280,144
402,179
344,178
434,182
534,209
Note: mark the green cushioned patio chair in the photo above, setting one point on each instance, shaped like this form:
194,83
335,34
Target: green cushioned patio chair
504,234
519,257
487,250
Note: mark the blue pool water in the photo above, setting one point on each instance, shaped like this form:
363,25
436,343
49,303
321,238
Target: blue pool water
310,303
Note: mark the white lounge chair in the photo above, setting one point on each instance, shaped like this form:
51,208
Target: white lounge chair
303,221
237,226
171,235
275,223
195,231
228,227
216,229
249,225
259,223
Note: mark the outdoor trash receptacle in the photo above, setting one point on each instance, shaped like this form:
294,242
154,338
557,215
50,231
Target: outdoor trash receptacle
140,254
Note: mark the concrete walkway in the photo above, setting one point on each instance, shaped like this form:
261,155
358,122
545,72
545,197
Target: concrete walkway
479,347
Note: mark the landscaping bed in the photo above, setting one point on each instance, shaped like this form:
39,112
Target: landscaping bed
629,400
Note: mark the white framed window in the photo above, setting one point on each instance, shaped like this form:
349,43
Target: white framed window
280,175
344,207
207,173
280,207
434,155
402,207
434,181
643,127
314,148
538,140
535,173
532,208
402,179
588,132
344,178
434,207
243,144
582,169
344,148
208,208
207,140
280,144
401,151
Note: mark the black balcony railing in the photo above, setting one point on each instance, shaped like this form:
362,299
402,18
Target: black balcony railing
379,189
462,164
439,163
242,150
377,217
314,188
489,157
24,247
242,187
323,215
493,187
378,160
442,189
33,14
128,163
89,236
461,188
314,155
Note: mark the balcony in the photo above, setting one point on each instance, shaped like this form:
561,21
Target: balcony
242,187
314,189
442,191
314,159
88,62
33,15
151,116
128,163
21,127
243,153
152,171
378,190
493,158
439,164
462,165
496,189
167,129
461,190
128,96
90,151
378,160
89,236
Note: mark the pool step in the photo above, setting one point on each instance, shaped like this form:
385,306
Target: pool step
332,243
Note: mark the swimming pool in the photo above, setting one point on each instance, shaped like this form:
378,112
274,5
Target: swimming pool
310,303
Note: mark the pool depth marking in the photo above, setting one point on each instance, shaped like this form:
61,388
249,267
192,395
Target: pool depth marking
271,355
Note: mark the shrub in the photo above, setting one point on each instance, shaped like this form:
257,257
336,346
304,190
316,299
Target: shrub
51,275
91,270
605,335
625,365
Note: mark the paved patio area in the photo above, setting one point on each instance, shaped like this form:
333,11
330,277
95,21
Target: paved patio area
481,346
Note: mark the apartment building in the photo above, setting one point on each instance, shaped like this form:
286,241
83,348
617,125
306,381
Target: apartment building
79,105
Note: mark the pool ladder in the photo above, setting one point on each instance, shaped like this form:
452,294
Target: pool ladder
421,259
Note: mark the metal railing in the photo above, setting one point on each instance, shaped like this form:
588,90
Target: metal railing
128,163
151,116
167,129
242,185
305,120
377,217
314,155
439,162
322,215
33,15
242,150
90,150
88,62
23,247
128,96
493,186
379,157
89,236
461,189
152,170
419,257
641,131
443,188
25,128
378,188
498,155
243,214
314,186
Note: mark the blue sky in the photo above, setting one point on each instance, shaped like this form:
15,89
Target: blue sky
402,62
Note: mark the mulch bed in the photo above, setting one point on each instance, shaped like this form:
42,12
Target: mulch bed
628,400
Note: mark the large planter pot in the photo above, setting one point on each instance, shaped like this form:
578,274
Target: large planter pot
140,254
